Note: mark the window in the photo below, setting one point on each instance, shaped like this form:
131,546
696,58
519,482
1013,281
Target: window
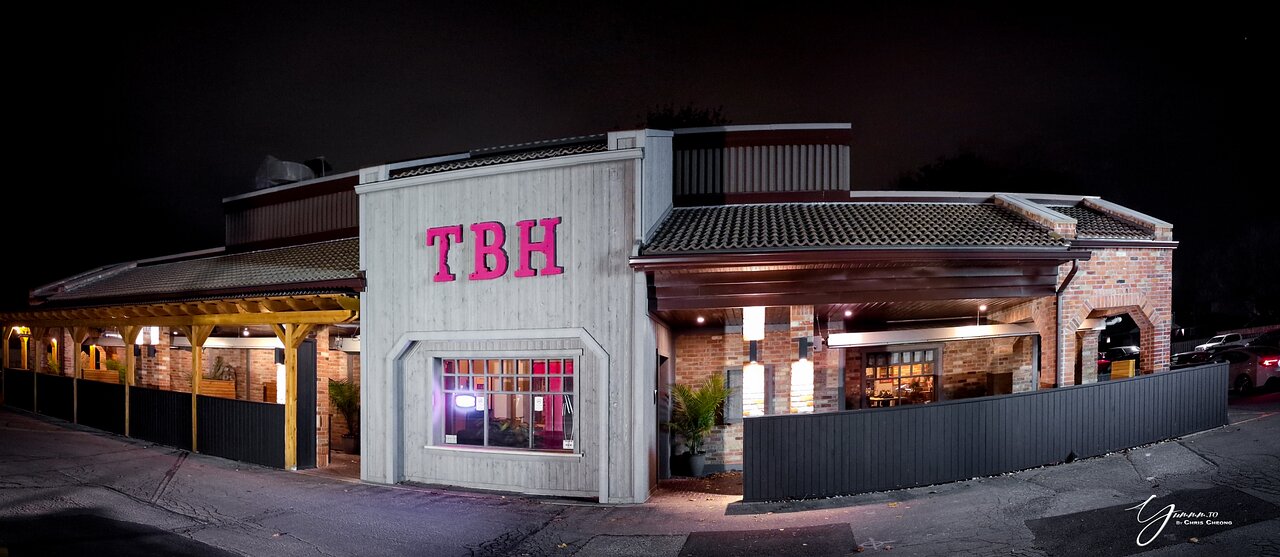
526,404
906,377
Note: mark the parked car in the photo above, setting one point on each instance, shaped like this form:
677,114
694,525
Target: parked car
1269,338
1229,339
1251,366
1115,354
1188,359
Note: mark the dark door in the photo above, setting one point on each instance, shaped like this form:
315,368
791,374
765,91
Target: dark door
665,379
307,405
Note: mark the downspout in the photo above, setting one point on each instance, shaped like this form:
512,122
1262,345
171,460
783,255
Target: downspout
1075,266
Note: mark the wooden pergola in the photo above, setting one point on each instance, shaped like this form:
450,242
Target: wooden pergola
292,318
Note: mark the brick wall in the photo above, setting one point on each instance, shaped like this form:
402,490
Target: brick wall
965,366
1044,314
853,372
330,364
1138,281
68,352
180,374
1086,364
701,354
156,371
349,369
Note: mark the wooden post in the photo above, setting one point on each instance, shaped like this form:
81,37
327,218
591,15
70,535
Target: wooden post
37,333
8,332
129,335
78,336
25,364
197,334
292,335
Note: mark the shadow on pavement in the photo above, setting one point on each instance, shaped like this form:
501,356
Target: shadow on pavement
1117,530
88,534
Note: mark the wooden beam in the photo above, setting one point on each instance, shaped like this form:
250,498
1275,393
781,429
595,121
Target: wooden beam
349,303
197,334
319,317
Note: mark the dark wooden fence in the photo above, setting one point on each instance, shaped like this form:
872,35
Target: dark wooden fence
241,430
160,416
55,396
841,453
17,389
102,405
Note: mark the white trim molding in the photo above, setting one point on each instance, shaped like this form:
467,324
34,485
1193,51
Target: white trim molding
496,169
911,336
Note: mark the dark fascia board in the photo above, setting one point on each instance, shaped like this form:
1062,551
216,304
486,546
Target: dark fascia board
342,285
756,138
1099,243
291,241
292,192
717,199
731,259
97,273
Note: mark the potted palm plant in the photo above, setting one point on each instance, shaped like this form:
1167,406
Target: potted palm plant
694,416
345,397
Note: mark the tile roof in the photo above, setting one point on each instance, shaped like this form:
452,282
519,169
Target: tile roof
596,145
835,225
1091,223
271,269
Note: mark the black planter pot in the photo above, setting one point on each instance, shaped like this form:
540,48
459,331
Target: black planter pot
696,463
680,464
349,444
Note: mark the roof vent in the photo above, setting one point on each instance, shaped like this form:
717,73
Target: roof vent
274,172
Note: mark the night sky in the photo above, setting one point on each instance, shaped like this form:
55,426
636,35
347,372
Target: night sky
138,129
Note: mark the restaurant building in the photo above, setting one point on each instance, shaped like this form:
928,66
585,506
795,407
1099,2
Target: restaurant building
527,310
521,314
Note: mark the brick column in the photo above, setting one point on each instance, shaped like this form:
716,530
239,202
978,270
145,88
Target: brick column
327,364
1086,361
1044,313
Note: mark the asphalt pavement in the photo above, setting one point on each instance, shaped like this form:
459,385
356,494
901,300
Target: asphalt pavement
68,490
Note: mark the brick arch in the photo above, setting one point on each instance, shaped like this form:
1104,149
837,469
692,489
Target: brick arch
1133,303
1139,309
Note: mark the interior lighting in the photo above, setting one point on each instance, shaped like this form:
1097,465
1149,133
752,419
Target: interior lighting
753,384
753,323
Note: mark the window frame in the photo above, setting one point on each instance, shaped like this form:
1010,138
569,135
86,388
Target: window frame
438,435
936,374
